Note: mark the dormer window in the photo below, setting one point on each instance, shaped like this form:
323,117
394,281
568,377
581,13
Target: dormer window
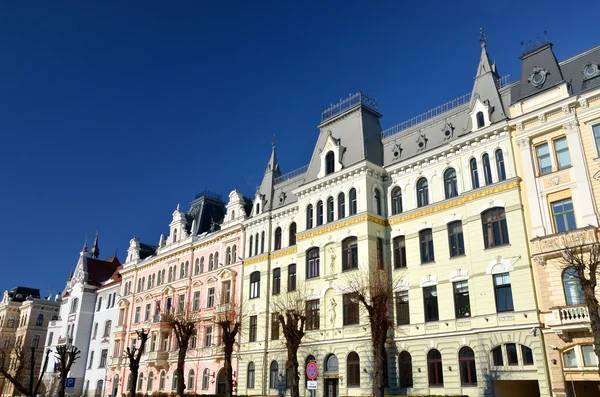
174,235
257,208
480,120
329,163
590,70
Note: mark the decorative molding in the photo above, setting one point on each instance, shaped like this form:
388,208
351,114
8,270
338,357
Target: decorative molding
499,265
285,252
520,126
428,281
542,118
524,143
570,126
257,259
566,109
583,102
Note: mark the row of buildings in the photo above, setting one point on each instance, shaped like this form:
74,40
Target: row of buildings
466,204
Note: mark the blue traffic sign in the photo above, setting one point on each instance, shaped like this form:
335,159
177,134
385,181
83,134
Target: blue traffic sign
70,382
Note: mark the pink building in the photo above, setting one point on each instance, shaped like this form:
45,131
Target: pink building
195,269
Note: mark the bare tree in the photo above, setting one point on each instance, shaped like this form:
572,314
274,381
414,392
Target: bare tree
66,356
581,252
290,309
134,355
374,290
14,363
184,326
228,321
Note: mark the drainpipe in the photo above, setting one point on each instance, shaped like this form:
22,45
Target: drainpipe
267,311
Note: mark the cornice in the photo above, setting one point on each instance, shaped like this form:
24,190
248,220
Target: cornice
273,255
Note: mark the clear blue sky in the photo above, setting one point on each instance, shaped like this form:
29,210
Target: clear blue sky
112,114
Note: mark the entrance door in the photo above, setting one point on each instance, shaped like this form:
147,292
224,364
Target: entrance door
221,382
331,388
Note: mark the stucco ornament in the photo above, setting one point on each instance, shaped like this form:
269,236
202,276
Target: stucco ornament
332,312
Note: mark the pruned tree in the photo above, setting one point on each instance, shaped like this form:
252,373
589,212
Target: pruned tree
290,309
581,252
14,364
66,356
228,322
374,289
183,325
134,355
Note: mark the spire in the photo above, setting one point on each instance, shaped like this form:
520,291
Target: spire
485,66
84,249
95,251
272,172
273,165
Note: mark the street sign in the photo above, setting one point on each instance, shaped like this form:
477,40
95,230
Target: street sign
70,382
312,370
311,385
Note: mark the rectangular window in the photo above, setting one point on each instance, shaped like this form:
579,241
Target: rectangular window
91,360
276,281
312,263
210,300
426,242
402,312
430,301
399,246
180,303
207,336
146,313
596,130
292,277
137,315
312,314
563,158
196,301
497,356
351,308
462,305
252,331
153,343
50,337
379,253
103,357
526,355
99,304
456,239
511,354
503,292
225,292
544,160
274,326
564,215
589,357
36,341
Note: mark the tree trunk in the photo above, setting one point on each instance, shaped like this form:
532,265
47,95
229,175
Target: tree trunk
179,370
61,384
292,364
14,382
228,371
592,305
134,378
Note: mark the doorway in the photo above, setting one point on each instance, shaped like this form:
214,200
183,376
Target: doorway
221,382
331,387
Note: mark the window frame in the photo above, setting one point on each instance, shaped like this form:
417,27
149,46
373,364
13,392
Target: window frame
313,263
462,302
341,206
422,192
474,173
353,370
492,220
487,169
559,151
291,277
564,215
544,156
435,368
431,304
509,303
292,234
349,253
254,285
252,328
467,366
426,247
500,164
450,183
351,309
330,209
352,200
402,307
276,281
456,241
313,314
278,237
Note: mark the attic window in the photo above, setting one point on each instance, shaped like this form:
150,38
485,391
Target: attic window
538,77
329,163
590,70
480,120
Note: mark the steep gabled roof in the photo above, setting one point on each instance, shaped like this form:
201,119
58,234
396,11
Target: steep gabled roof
99,270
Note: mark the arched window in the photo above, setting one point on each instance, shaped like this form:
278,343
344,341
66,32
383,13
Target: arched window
572,287
228,256
353,203
312,263
250,245
309,216
74,305
277,239
257,247
487,169
500,165
329,163
341,206
276,281
161,381
331,363
480,120
319,213
350,253
181,270
450,185
405,369
434,368
174,383
468,375
140,382
202,263
250,378
107,327
330,209
197,267
191,380
150,385
353,369
187,268
174,235
474,173
40,320
211,262
255,285
377,202
262,242
99,388
495,231
234,253
396,201
292,236
273,374
216,260
232,215
422,192
205,378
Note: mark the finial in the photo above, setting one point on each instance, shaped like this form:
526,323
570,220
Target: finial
177,206
482,37
274,142
85,245
95,252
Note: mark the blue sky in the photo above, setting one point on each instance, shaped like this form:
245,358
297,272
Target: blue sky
111,114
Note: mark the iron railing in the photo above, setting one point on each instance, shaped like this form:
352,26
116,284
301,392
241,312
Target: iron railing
291,174
503,81
345,104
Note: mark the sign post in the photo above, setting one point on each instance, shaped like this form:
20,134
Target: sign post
312,371
69,383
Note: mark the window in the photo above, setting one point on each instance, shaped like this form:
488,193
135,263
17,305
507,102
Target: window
319,213
210,298
330,210
180,303
161,381
197,267
341,206
36,341
434,368
329,163
422,192
353,203
405,369
511,354
543,159
497,356
103,358
99,304
351,309
527,355
503,292
480,119
225,292
276,281
589,356
474,173
252,330
350,253
563,215
468,374
426,243
50,337
495,232
91,360
74,305
99,388
211,258
108,326
257,208
191,379
596,130
234,254
396,201
40,320
182,270
312,314
256,245
262,244
274,326
456,239
462,306
380,253
402,312
277,239
312,263
500,165
377,202
249,379
430,301
95,333
174,383
273,374
292,277
563,158
255,285
228,256
569,359
137,315
399,247
292,237
572,287
309,216
487,169
208,336
150,381
196,301
331,363
450,184
249,246
353,369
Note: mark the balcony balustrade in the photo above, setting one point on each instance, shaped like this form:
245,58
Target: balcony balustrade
552,244
568,318
64,341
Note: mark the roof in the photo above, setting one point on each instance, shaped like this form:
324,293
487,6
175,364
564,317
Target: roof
20,294
101,270
114,279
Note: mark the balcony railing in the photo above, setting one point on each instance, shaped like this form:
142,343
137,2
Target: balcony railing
63,341
223,308
291,174
159,318
345,104
568,316
158,356
554,243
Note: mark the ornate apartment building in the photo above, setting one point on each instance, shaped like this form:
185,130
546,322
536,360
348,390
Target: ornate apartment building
555,116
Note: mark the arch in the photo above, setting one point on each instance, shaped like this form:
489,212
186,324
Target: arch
150,382
99,388
434,368
161,380
396,200
353,369
474,173
480,120
353,202
191,380
572,287
405,369
329,162
174,381
331,363
309,216
107,328
255,284
292,234
468,373
205,378
273,374
500,166
277,244
487,169
422,192
341,206
450,183
221,382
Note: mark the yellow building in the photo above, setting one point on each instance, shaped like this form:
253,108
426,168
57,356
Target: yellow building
555,119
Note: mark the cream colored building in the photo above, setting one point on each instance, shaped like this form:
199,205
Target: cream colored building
555,111
436,201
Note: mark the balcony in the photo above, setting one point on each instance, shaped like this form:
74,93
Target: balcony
64,341
159,318
116,361
157,356
568,318
551,245
223,308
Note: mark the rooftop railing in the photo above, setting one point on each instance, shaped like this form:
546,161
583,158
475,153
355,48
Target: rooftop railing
291,174
503,81
345,104
209,194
